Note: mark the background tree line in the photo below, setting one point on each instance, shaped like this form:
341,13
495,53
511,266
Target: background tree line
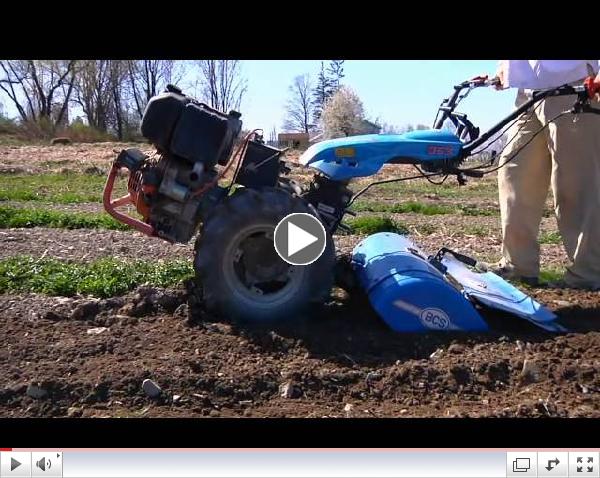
112,94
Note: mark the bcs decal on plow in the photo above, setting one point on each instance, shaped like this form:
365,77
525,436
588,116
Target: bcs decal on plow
440,150
435,319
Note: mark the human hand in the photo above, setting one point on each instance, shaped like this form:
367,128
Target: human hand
500,77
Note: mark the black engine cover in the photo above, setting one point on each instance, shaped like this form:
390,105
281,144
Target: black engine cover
183,127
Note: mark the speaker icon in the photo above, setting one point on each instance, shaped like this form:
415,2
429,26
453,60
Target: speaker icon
43,464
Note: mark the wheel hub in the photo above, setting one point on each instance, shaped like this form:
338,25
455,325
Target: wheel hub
257,265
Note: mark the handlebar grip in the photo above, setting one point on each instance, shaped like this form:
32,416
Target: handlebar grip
464,259
494,81
592,86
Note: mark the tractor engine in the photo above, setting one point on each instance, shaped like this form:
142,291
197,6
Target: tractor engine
168,188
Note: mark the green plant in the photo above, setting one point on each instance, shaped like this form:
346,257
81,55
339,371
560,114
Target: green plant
21,217
102,278
374,224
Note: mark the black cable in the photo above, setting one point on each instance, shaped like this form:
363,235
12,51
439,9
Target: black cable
521,148
395,180
438,183
241,158
506,128
475,168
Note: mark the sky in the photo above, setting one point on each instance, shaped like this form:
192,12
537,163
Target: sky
397,92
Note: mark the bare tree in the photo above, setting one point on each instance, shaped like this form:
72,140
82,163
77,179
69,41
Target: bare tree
147,78
39,88
222,83
93,92
299,108
343,114
118,76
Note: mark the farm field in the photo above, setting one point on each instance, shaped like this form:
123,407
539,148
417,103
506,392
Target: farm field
90,309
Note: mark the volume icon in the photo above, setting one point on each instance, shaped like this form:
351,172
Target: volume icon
43,464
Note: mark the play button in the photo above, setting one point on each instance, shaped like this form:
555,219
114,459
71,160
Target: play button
14,464
300,239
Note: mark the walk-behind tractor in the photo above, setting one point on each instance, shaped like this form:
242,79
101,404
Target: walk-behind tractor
179,191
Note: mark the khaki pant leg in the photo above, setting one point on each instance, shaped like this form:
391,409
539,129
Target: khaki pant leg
523,186
575,149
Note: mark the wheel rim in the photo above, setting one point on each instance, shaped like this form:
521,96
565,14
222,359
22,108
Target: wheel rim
254,270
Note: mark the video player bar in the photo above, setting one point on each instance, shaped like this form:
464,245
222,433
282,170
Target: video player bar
298,463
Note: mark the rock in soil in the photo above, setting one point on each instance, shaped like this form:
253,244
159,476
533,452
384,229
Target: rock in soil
289,390
74,412
456,349
36,392
151,389
530,372
96,330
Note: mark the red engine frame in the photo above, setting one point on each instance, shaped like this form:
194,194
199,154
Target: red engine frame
134,197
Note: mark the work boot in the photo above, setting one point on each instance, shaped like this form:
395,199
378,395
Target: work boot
509,273
564,284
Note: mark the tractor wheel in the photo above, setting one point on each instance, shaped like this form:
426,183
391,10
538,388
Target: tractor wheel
241,275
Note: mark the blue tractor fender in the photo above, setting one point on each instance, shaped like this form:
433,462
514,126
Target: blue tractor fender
407,291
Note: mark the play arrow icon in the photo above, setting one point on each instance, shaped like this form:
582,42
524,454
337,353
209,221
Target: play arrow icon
550,467
298,239
14,464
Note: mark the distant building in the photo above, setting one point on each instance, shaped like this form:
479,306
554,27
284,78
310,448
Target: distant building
293,140
370,128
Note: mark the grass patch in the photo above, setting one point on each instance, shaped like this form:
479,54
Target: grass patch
546,276
427,209
551,237
18,217
374,224
69,188
551,275
479,231
102,278
450,190
468,210
405,207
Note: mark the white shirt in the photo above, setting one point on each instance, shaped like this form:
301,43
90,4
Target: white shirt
540,74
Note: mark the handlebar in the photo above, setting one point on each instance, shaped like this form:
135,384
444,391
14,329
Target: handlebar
482,80
592,86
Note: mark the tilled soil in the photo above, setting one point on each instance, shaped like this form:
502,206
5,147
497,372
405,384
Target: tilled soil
74,157
81,357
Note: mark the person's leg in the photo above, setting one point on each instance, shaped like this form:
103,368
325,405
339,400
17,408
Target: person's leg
523,185
575,148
